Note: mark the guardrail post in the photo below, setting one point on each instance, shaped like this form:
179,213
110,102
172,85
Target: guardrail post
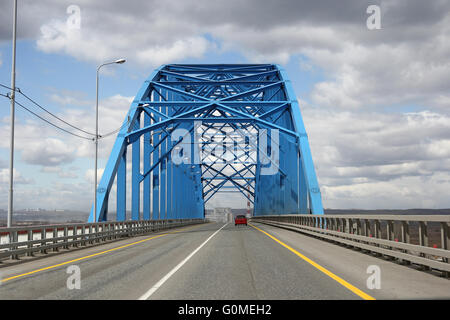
74,236
445,237
55,235
405,232
90,234
405,238
358,227
66,234
377,233
14,237
30,245
83,235
423,238
367,228
43,237
108,231
445,243
423,234
104,232
377,229
97,229
390,230
389,233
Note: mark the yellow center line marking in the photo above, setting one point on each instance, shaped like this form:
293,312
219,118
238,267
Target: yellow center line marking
349,286
93,255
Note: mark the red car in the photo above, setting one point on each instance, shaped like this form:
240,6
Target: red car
240,220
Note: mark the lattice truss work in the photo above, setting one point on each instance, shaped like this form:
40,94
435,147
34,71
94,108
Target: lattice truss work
197,130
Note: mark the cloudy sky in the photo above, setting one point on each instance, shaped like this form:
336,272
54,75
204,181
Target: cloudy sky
376,103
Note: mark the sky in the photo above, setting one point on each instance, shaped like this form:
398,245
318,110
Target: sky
375,102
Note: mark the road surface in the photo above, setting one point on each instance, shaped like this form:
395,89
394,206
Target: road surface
217,261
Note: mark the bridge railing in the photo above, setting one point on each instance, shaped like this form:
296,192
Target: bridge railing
402,237
19,241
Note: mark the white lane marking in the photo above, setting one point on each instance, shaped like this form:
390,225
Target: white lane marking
153,289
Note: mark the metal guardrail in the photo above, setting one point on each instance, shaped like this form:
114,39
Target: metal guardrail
366,232
17,241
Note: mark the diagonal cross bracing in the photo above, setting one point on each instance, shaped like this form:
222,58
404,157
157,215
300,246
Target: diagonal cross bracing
193,130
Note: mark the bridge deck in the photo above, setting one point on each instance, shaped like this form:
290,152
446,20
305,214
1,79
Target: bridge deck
233,263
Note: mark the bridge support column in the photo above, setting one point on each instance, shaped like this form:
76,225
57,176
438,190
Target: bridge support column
136,176
121,187
146,210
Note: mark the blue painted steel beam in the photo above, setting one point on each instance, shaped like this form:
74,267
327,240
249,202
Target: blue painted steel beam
231,103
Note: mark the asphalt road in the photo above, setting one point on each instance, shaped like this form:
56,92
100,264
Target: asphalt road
217,261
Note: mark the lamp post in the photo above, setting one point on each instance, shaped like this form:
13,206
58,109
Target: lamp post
120,61
13,95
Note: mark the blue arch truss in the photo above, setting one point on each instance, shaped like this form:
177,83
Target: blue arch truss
194,131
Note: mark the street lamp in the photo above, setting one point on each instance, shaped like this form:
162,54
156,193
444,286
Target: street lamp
119,61
13,96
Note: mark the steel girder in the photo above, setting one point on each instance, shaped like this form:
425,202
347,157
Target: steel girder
203,129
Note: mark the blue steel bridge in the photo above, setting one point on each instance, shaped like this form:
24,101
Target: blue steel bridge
194,131
206,129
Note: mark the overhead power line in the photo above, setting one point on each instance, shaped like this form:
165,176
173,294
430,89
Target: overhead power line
55,116
47,121
50,113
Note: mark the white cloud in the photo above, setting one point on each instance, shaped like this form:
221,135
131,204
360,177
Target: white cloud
89,175
18,178
70,98
406,62
401,193
48,151
56,36
62,172
380,75
193,47
372,160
